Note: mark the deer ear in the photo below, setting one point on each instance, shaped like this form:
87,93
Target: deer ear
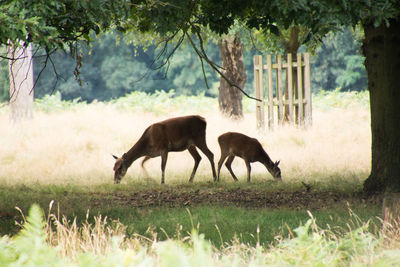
277,163
115,157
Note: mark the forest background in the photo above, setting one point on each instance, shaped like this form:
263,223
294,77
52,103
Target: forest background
112,66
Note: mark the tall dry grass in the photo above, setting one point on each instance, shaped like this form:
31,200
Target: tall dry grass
75,146
63,243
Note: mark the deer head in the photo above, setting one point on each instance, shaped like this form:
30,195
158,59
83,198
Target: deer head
120,169
275,171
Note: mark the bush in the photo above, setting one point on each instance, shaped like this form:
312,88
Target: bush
162,102
53,103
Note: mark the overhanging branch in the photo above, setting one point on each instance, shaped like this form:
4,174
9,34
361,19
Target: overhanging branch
203,56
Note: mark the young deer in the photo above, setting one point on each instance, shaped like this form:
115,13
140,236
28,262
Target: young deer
237,144
176,134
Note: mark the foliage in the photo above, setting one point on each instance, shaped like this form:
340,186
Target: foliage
340,99
113,69
53,103
44,23
4,77
162,102
56,24
310,246
60,24
339,63
29,247
120,72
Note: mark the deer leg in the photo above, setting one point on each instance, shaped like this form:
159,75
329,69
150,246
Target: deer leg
146,158
203,147
197,158
228,165
164,157
220,162
248,170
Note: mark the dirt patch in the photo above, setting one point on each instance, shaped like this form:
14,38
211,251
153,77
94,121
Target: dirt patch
237,197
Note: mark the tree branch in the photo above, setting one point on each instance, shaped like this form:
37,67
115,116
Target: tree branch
203,56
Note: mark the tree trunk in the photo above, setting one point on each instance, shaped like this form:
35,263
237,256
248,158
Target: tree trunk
381,48
21,83
229,98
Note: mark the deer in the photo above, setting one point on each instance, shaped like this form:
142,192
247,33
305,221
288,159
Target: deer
175,134
234,144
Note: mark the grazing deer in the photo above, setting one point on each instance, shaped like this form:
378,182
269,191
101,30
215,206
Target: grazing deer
237,144
176,134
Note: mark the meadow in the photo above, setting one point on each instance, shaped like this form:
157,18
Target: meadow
72,143
63,157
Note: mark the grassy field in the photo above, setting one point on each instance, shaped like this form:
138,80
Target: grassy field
73,144
64,154
221,221
59,242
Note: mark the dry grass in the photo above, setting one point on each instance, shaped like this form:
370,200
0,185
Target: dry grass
99,237
75,146
309,245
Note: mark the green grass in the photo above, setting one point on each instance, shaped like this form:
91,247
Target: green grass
222,225
60,242
219,222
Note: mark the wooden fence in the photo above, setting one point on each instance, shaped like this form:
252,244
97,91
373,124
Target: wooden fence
288,90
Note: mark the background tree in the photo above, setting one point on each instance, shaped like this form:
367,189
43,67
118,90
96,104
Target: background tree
21,83
339,63
50,25
229,98
113,67
330,64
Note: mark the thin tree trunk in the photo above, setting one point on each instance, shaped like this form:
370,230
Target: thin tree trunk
21,83
229,98
381,48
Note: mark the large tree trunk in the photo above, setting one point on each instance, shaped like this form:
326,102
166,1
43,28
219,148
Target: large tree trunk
21,83
229,98
381,48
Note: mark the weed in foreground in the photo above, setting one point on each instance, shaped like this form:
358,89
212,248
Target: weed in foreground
41,243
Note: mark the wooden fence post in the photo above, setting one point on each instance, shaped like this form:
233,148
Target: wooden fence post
300,120
279,89
270,94
290,86
307,89
259,86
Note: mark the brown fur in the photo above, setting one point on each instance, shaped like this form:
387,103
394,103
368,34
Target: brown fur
236,144
176,134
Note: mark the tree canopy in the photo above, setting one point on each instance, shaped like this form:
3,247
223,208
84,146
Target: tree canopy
57,24
110,69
